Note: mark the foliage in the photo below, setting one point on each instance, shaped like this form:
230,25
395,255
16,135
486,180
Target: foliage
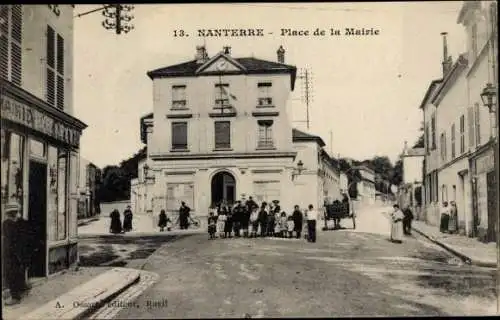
420,142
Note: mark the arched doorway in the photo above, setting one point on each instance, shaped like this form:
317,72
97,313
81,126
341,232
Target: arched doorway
223,188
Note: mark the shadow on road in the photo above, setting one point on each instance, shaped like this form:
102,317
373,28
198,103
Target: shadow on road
119,251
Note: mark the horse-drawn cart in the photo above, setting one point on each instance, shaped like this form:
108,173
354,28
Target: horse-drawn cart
336,211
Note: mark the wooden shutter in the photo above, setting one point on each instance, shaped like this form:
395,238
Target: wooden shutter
50,47
60,92
15,49
470,122
222,134
50,87
179,135
60,54
462,134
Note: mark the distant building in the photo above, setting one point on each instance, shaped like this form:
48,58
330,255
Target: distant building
366,187
410,192
88,201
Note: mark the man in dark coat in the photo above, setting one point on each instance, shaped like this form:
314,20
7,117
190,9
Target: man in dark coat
237,217
18,246
250,204
263,219
184,215
127,219
408,217
297,221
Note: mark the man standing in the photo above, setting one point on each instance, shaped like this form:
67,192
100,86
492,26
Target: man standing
445,217
184,215
297,221
15,240
312,216
408,217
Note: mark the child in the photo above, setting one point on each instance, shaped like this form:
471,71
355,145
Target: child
212,225
291,226
283,224
254,222
221,222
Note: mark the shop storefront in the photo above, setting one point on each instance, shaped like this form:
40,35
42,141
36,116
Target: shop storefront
483,193
39,170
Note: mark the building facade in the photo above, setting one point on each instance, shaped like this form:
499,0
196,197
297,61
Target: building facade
366,187
411,191
39,136
89,181
220,130
459,143
479,19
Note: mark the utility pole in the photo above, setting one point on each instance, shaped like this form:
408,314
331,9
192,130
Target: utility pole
307,94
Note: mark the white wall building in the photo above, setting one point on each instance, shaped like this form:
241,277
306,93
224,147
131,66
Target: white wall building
220,130
39,135
366,187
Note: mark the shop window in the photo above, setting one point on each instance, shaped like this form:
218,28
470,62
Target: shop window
73,189
4,167
12,168
52,195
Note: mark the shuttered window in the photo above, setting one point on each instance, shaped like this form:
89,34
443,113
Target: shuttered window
453,154
265,137
477,121
222,135
427,142
11,25
433,132
179,135
462,134
55,69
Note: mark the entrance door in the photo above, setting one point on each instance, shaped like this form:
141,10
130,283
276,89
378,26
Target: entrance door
37,215
492,205
223,188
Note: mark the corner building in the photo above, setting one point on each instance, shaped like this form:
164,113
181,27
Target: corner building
39,136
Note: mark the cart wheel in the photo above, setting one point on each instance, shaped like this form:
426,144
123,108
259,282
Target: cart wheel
354,221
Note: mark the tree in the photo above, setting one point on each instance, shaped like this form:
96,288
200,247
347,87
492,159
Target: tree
420,142
397,175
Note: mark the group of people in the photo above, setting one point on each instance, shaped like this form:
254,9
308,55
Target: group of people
449,218
400,223
116,223
248,219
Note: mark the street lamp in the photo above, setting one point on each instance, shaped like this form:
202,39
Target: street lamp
489,98
297,171
146,193
117,18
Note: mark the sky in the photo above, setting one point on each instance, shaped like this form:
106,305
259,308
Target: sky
366,90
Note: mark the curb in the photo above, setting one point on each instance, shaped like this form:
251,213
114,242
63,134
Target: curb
465,258
84,222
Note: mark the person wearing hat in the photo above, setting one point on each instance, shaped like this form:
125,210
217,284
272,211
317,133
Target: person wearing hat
16,253
127,219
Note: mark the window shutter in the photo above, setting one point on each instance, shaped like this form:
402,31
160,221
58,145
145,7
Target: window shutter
477,122
50,86
50,47
17,23
60,92
470,122
4,55
222,134
179,135
16,66
60,54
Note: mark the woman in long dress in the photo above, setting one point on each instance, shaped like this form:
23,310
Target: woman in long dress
397,225
116,224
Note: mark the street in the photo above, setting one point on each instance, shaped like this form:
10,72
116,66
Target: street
346,273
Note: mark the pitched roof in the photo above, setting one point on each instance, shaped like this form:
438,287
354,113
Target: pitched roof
450,78
251,65
298,135
430,90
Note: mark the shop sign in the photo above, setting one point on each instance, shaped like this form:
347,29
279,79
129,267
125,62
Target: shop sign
21,113
486,162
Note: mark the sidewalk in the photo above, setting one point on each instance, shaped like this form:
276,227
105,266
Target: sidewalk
83,222
469,249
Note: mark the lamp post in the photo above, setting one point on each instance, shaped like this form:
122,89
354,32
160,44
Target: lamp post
297,171
146,193
489,98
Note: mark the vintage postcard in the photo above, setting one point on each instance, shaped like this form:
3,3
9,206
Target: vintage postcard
249,160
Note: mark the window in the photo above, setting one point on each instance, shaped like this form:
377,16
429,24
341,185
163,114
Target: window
222,135
470,122
11,26
436,188
433,132
179,97
179,135
12,155
62,158
221,95
55,69
453,141
462,134
474,40
265,138
37,148
443,146
265,99
477,118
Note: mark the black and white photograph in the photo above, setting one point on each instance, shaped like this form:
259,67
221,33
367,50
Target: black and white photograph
249,160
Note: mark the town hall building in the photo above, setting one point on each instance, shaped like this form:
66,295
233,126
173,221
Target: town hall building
220,130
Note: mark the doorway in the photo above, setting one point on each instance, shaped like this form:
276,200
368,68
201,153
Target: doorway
37,216
223,188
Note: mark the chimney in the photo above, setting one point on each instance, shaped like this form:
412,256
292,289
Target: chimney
281,54
227,50
201,54
447,60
